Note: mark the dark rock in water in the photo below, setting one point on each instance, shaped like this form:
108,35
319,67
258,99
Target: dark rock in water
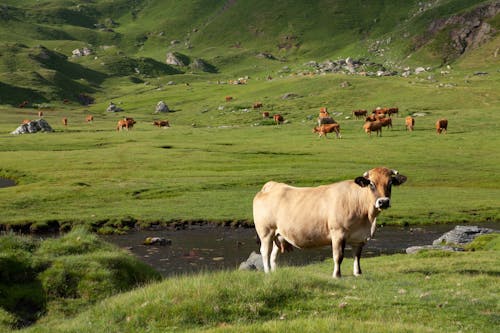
157,241
33,126
253,263
462,235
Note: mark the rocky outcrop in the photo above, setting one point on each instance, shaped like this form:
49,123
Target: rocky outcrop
468,30
453,240
33,126
174,59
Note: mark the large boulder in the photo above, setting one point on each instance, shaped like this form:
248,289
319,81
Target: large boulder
453,240
113,108
33,126
161,107
462,235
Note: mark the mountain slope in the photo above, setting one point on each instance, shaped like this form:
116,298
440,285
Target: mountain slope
132,38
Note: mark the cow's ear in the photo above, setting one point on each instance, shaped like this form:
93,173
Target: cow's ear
398,179
362,181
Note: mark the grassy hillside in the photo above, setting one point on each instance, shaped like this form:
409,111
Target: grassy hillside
132,38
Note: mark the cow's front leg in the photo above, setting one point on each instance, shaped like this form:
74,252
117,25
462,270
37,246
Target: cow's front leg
338,245
356,249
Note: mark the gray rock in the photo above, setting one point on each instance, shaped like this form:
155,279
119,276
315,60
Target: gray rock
253,263
416,249
462,235
161,107
452,240
113,108
34,126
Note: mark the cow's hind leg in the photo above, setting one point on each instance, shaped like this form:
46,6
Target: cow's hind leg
274,255
266,246
356,249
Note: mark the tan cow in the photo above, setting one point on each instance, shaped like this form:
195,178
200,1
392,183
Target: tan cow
441,126
308,217
126,123
322,130
65,121
373,126
410,123
89,118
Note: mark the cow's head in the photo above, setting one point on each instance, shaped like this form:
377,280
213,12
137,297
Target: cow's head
380,181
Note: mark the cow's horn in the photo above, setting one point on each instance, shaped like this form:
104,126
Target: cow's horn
365,174
395,172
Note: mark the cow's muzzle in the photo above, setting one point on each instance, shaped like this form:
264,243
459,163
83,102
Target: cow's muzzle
383,203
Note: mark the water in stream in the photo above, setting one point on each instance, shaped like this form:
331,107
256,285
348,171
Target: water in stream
206,248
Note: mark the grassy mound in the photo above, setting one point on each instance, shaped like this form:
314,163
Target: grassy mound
61,276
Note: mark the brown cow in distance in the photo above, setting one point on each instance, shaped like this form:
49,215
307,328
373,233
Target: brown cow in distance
278,119
335,214
442,126
65,121
386,122
409,123
322,130
89,118
373,126
392,111
359,113
229,98
161,123
265,114
126,123
257,105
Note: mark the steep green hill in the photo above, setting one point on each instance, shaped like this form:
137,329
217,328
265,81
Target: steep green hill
132,38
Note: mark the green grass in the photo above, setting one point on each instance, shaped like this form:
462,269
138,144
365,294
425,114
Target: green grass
432,291
217,154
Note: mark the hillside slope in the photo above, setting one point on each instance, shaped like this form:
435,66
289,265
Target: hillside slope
132,38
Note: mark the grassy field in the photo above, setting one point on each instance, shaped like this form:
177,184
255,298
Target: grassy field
218,154
426,292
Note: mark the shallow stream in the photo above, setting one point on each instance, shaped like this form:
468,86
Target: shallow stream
207,248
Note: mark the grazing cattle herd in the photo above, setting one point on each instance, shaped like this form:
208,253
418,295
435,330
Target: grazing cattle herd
380,117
